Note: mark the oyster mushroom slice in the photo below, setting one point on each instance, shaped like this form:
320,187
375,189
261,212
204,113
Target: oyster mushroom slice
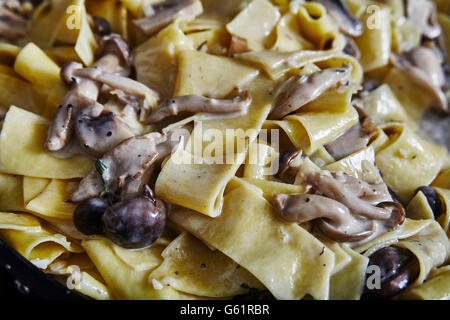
100,134
12,25
352,140
424,68
161,15
125,168
289,164
334,219
334,189
344,236
299,90
113,57
423,13
339,13
196,104
124,84
372,193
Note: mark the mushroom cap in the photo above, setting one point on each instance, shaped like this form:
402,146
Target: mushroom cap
115,44
67,70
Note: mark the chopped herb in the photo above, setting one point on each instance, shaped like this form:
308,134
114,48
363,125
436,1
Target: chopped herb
101,167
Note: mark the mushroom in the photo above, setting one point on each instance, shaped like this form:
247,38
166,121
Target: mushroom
423,14
340,14
433,199
135,223
99,135
125,168
345,208
300,90
161,15
335,219
196,104
398,267
289,164
237,45
12,25
351,48
373,193
332,188
80,115
352,140
100,25
424,67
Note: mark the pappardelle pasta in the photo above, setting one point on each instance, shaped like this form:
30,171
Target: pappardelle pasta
239,149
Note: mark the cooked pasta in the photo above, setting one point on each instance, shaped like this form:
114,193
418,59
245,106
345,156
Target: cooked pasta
207,149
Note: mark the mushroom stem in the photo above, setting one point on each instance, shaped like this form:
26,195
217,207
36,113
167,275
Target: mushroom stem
126,168
332,188
127,85
161,15
334,219
352,140
197,104
300,90
424,68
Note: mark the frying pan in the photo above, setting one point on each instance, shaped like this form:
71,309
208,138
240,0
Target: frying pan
30,279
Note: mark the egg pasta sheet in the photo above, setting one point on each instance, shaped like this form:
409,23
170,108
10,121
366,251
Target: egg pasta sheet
240,149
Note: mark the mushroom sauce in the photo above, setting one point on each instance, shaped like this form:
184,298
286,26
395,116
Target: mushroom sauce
208,149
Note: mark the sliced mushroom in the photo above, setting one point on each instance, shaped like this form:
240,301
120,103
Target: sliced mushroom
237,45
125,84
100,134
335,219
197,104
338,235
424,67
289,165
423,14
299,90
372,193
351,48
352,140
340,14
12,25
83,93
81,116
161,15
334,189
126,168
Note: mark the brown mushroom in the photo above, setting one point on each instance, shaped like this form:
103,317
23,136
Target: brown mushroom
161,15
333,218
81,116
334,189
299,90
289,165
126,168
352,140
423,66
100,134
351,48
197,104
